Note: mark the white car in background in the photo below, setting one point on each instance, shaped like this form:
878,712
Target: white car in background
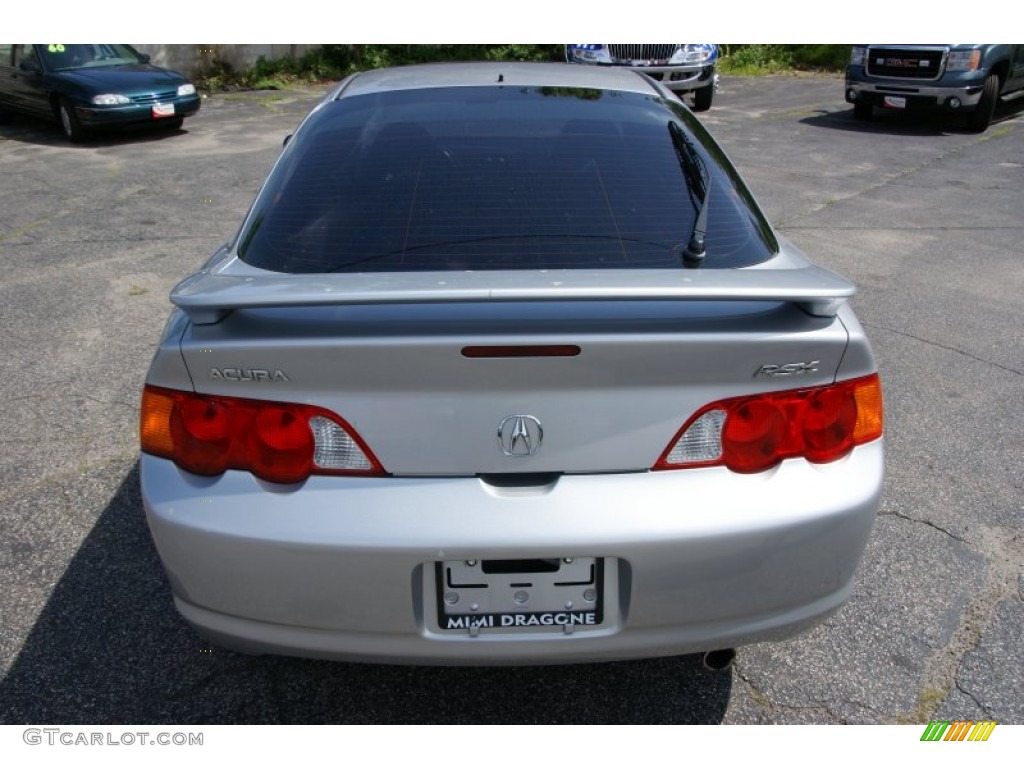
682,67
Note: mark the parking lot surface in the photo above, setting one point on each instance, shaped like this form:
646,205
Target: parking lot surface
925,217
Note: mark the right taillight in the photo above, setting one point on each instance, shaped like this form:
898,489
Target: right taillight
279,442
755,433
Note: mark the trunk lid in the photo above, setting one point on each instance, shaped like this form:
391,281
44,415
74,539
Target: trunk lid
387,352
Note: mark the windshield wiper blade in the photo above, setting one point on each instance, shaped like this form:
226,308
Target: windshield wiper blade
698,181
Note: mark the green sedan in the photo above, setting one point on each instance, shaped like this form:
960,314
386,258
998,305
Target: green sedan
88,86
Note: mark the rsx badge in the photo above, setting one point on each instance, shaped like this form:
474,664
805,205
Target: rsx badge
788,369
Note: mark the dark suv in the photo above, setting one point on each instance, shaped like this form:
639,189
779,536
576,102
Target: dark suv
954,78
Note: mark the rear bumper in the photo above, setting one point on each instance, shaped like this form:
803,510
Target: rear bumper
344,567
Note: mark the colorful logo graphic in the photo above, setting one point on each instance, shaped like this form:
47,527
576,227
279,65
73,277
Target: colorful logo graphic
958,730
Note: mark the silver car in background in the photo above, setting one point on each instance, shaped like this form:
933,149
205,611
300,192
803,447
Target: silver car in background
505,366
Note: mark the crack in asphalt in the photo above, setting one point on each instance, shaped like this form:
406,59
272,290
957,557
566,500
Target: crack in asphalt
885,181
133,406
765,702
946,347
972,697
10,494
1004,554
929,523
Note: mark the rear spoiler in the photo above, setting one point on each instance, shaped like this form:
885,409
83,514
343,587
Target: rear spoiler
208,297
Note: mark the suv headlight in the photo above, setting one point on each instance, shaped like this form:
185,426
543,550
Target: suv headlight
588,54
858,55
694,53
963,61
109,99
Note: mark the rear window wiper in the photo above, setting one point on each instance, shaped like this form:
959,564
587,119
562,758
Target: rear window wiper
698,182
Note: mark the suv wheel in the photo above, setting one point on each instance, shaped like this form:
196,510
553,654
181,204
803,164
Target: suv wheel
703,97
980,118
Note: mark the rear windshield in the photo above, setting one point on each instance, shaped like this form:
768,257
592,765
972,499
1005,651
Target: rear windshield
480,178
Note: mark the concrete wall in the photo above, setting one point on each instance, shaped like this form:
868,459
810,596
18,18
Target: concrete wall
193,60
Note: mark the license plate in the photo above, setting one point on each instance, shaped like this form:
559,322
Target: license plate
556,595
163,110
895,102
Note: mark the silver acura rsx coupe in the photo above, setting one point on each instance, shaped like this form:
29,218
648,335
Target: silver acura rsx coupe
505,366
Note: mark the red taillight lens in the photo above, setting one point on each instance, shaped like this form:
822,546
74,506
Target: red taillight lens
199,429
282,445
279,442
828,421
820,424
754,433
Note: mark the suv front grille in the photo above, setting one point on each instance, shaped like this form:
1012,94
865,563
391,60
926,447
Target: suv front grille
906,63
642,52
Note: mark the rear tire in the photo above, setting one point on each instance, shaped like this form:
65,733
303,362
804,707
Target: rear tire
862,110
703,97
73,128
981,117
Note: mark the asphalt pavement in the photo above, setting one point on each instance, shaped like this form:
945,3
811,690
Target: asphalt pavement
924,216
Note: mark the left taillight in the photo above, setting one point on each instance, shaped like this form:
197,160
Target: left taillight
278,442
755,433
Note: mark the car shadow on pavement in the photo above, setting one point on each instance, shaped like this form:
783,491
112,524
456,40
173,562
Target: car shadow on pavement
109,648
910,123
30,130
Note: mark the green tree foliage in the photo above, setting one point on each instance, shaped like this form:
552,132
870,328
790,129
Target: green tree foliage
766,59
333,62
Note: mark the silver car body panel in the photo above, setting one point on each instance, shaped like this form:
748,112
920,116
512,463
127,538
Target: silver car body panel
512,74
343,569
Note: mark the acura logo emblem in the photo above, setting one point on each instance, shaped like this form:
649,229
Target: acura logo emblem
520,435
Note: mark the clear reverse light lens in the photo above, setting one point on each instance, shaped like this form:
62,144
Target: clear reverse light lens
108,99
335,448
702,441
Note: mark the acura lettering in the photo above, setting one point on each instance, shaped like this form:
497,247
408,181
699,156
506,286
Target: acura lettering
247,374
